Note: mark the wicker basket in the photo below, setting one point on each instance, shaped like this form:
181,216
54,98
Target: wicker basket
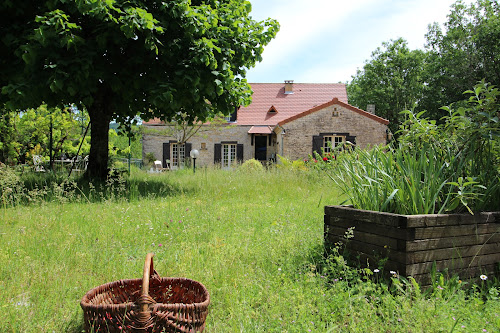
150,304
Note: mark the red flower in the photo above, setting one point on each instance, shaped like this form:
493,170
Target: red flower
315,161
325,158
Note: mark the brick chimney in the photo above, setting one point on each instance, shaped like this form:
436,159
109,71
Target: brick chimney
288,87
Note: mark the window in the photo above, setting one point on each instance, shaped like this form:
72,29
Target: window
228,155
203,146
330,142
177,154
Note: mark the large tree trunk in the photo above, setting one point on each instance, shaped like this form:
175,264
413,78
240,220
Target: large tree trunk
100,117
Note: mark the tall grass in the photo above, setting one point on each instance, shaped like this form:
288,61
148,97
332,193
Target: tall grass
254,239
432,168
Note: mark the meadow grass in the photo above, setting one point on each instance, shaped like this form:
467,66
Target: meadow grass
254,239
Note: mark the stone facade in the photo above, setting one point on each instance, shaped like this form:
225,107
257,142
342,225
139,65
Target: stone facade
262,136
204,141
297,140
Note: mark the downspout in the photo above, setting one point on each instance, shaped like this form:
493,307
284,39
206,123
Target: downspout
283,131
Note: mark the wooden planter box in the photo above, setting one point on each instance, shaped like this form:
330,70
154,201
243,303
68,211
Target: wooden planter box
468,245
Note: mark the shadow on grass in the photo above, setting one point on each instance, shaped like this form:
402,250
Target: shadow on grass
54,187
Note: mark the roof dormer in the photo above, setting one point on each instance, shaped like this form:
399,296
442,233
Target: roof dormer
272,110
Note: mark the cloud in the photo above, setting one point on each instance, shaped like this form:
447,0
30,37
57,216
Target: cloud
327,41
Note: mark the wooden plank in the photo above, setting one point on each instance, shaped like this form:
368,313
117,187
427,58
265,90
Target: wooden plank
378,240
452,231
453,264
464,274
394,232
367,216
452,253
450,242
433,220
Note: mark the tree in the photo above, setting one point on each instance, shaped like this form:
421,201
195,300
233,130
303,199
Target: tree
25,134
467,52
391,81
119,59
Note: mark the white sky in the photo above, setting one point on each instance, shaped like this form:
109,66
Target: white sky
326,41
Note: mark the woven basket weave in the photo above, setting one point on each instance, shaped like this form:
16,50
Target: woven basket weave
150,304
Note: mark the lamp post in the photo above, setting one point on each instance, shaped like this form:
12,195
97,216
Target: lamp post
194,155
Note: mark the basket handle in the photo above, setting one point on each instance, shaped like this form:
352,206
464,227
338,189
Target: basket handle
149,272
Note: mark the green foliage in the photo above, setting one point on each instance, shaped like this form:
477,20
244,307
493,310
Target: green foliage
455,59
251,165
433,168
391,80
463,54
254,240
29,134
285,163
124,58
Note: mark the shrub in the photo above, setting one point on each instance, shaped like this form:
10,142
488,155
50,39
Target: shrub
252,165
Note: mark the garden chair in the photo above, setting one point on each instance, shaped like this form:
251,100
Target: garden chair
159,167
37,163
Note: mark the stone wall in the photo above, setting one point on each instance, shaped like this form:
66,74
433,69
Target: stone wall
208,136
298,137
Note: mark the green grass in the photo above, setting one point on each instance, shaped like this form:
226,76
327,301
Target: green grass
255,240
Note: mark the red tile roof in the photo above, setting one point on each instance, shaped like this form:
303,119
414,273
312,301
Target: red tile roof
305,97
260,130
337,102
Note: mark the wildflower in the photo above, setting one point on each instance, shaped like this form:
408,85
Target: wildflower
376,270
325,158
393,272
180,221
160,245
279,269
483,277
440,288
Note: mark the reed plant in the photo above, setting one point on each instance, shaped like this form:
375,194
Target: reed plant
432,168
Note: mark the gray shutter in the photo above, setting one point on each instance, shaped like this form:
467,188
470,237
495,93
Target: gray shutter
217,153
351,139
317,144
166,154
239,152
187,149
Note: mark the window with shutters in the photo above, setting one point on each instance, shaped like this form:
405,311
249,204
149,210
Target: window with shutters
228,155
177,154
332,141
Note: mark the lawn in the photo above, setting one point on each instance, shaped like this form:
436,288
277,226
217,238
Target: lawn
254,239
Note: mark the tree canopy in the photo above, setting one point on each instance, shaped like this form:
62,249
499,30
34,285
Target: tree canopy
391,81
466,52
119,59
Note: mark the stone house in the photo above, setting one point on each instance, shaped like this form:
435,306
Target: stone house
290,119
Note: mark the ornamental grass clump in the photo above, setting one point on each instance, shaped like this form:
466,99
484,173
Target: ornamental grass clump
432,168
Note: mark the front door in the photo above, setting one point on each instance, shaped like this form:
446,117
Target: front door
261,148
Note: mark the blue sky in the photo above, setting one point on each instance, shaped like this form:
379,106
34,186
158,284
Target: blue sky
326,41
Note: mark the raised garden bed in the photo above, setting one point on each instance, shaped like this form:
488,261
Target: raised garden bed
468,245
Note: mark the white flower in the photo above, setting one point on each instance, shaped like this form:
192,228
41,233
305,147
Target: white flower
393,272
376,270
483,277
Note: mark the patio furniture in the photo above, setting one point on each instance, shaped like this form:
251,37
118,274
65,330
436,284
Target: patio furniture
38,164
